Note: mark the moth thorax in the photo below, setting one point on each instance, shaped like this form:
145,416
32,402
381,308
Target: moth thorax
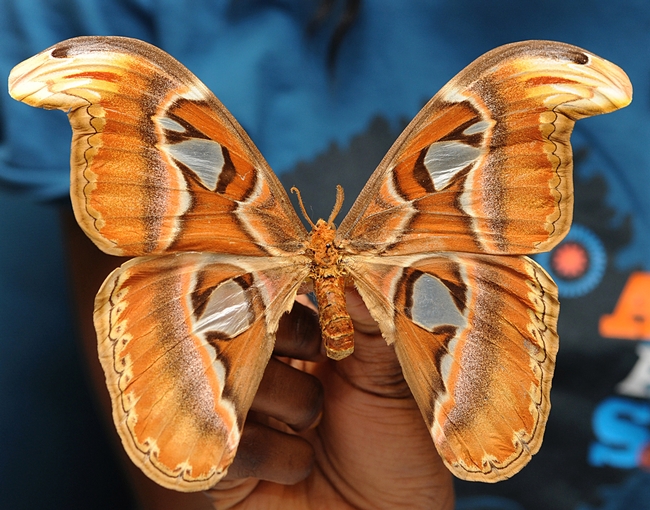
325,254
322,248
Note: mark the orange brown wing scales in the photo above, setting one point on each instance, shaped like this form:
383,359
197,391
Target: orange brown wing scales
486,165
184,340
476,338
158,163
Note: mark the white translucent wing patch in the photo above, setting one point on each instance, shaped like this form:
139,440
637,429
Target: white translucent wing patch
444,160
447,362
203,157
170,124
228,312
478,127
433,305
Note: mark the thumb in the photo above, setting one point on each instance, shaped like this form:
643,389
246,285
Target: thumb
373,366
363,321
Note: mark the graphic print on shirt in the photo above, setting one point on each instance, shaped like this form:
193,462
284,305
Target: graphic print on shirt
577,264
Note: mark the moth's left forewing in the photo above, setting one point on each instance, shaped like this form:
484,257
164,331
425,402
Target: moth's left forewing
486,165
476,338
184,340
156,160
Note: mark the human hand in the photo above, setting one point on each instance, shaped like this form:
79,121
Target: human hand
370,448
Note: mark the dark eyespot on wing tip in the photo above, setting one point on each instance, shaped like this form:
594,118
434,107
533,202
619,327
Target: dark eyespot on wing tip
581,58
59,52
71,47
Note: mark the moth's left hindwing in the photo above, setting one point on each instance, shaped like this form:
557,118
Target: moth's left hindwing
184,340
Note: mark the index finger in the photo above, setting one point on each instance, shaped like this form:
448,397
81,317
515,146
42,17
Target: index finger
299,335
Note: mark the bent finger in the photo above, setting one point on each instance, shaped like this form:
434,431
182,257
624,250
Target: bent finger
268,454
299,335
289,395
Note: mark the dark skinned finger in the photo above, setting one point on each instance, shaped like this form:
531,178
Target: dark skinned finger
268,454
289,395
299,335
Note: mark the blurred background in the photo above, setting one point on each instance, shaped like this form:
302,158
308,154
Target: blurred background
323,87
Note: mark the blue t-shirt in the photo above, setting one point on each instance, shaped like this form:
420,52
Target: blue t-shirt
319,126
